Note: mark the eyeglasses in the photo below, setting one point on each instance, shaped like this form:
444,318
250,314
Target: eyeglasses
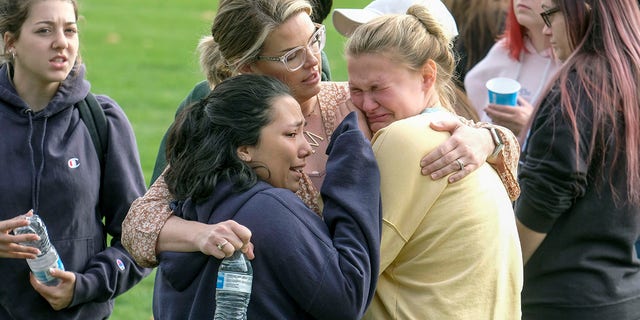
546,15
296,57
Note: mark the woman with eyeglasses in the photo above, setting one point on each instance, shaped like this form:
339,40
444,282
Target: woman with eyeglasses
579,211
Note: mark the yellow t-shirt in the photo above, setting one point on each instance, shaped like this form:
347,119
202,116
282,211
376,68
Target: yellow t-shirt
448,251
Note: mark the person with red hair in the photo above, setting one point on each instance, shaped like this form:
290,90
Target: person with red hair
523,53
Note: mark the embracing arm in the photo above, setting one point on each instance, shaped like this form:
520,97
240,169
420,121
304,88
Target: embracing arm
149,214
182,235
141,228
351,194
150,227
332,265
473,144
349,107
505,161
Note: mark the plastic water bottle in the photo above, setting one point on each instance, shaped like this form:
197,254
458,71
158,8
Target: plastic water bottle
233,287
48,257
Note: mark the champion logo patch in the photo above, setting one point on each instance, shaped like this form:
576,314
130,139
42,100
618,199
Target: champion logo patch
120,264
73,163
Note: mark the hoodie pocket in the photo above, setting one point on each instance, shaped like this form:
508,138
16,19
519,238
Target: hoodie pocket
75,253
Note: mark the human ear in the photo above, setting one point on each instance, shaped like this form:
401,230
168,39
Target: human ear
429,74
8,39
244,153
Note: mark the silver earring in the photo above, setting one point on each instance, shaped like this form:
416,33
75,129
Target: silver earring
13,54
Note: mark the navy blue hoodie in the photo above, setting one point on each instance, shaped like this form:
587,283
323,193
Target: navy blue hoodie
50,164
305,268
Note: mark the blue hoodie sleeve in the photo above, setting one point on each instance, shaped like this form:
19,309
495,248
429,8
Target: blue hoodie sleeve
113,271
335,279
351,193
329,266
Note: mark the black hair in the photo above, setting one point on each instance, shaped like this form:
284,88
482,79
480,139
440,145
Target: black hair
203,141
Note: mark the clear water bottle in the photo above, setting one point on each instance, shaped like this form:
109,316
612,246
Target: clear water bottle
233,287
48,257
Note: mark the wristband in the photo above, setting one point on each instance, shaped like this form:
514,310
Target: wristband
497,141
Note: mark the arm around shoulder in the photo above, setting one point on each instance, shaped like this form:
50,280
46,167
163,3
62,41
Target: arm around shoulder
351,195
473,144
504,159
146,217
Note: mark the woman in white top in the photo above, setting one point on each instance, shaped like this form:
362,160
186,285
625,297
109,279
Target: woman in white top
523,54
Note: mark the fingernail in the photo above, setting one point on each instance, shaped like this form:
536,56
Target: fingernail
434,176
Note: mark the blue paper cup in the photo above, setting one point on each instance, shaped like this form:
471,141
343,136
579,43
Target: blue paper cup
503,91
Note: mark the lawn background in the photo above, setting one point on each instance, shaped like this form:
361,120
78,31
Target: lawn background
142,54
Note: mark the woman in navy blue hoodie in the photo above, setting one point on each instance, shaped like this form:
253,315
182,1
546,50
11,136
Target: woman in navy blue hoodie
50,165
239,154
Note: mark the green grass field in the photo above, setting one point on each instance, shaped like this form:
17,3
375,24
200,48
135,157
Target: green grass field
142,54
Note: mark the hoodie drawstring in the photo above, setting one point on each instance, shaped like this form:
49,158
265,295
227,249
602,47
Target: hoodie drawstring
36,175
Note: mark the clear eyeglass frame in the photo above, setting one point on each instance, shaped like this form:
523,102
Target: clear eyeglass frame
295,58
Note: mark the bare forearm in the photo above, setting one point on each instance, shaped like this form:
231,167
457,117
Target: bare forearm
180,235
529,241
470,145
218,240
